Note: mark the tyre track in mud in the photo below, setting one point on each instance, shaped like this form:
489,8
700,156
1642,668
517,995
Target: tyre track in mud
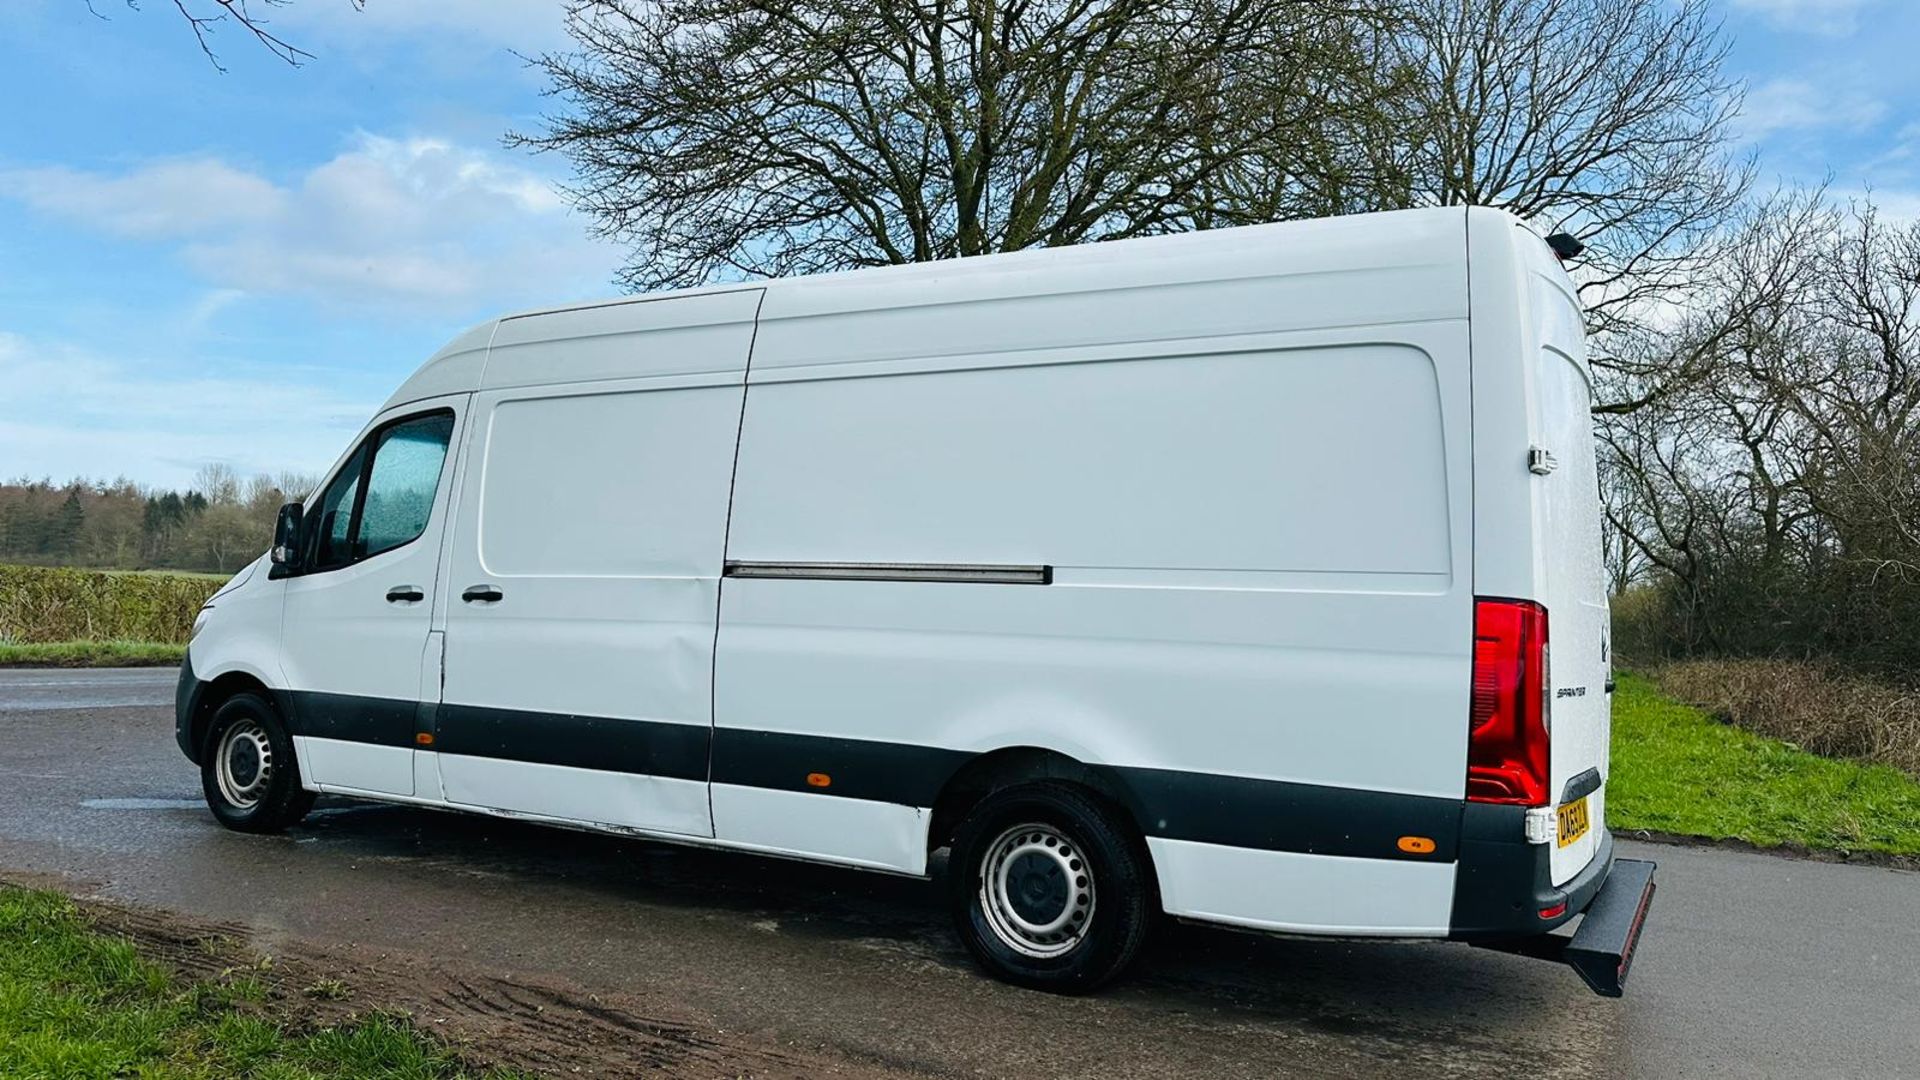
490,1019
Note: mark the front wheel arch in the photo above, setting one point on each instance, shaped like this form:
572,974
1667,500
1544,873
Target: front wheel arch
218,692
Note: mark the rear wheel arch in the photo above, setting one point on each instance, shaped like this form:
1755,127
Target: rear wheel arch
1007,767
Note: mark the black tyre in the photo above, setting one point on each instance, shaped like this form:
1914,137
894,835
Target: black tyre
1052,888
247,769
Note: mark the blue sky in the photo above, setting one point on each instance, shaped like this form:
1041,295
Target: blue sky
201,267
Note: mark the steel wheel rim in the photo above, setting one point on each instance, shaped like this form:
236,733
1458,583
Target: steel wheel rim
243,764
1036,891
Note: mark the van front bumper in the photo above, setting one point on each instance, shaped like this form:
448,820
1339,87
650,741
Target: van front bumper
1503,885
186,705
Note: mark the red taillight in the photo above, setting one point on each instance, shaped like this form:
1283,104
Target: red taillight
1507,739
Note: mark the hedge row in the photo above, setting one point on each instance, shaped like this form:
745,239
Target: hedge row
1817,707
43,604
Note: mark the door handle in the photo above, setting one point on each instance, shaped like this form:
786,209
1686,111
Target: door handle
486,594
407,593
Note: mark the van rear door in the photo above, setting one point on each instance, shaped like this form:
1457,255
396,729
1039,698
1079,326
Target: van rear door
1572,573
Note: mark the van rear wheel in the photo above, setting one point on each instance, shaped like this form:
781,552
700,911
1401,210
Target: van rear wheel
247,769
1051,887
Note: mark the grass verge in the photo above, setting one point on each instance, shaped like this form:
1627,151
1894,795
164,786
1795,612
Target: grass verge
75,1002
92,654
1677,770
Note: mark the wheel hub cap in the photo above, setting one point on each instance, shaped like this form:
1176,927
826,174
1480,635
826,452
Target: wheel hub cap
243,765
1036,891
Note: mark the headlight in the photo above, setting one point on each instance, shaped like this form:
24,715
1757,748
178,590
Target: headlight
199,621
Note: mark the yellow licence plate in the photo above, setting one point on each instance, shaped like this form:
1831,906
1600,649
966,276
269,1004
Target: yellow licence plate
1573,821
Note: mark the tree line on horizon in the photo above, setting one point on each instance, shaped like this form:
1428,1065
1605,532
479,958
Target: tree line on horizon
217,524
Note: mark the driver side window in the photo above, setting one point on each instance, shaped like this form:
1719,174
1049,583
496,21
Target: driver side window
335,512
383,495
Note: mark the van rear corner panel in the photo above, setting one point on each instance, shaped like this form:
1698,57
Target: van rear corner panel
1537,517
1294,892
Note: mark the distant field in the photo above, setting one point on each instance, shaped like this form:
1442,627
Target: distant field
41,605
173,573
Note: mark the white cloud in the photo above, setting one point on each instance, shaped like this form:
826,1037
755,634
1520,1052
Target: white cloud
419,224
166,199
71,412
210,304
1832,18
1801,104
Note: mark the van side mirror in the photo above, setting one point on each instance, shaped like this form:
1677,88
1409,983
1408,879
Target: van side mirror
286,535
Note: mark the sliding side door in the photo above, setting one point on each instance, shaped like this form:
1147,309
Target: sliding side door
583,580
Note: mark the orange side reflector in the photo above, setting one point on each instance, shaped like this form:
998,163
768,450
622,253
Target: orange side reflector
818,779
424,738
1416,845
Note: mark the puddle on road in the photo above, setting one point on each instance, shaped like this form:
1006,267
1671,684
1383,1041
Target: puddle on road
142,804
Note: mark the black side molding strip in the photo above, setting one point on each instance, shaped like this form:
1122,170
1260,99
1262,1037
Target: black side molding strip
1208,808
982,573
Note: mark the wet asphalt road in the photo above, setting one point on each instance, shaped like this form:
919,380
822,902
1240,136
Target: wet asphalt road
1751,965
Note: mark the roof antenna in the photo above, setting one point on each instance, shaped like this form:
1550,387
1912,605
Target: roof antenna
1565,246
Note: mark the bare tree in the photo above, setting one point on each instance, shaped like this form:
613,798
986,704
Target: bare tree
729,137
1860,404
1608,119
295,485
206,17
227,537
1701,429
218,483
1776,496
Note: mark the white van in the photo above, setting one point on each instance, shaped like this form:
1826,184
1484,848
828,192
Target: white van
1210,574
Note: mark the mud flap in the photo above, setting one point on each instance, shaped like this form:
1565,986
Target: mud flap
1601,949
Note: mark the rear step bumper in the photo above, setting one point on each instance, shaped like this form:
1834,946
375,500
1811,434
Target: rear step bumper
1601,949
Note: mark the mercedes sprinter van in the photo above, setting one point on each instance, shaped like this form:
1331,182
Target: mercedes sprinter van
1250,577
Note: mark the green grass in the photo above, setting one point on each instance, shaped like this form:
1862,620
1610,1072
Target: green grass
92,654
1676,770
75,1003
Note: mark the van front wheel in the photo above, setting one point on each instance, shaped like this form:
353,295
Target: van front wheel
247,770
1051,887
